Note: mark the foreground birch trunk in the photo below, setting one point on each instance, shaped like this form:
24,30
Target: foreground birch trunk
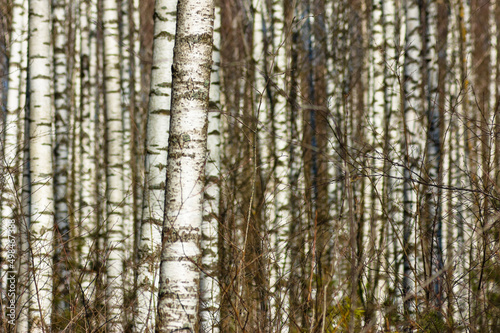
42,200
114,172
180,258
156,161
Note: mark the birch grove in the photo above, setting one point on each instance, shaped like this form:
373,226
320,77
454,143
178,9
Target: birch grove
249,166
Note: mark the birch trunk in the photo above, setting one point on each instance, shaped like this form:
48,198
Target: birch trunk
412,149
128,190
42,199
433,173
178,296
61,152
392,189
89,202
10,143
137,118
114,172
462,156
22,310
210,279
375,224
156,161
282,196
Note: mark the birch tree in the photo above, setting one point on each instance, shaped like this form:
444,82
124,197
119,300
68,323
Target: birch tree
22,310
432,232
178,300
114,172
155,165
61,104
412,148
374,224
210,289
128,190
42,199
12,159
282,218
89,207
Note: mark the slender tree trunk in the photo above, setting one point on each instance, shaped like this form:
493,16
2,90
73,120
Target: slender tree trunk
431,218
61,104
128,189
210,279
282,196
375,225
138,133
42,198
412,148
178,300
11,159
88,239
114,173
22,306
480,111
155,165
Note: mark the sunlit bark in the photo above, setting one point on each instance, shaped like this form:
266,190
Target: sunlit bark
178,297
114,171
41,235
156,162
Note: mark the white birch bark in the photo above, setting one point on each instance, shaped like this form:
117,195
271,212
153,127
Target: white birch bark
374,224
42,199
11,159
412,131
392,187
76,127
114,172
210,284
261,101
128,192
155,165
461,157
22,310
178,296
282,190
453,167
88,171
61,152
